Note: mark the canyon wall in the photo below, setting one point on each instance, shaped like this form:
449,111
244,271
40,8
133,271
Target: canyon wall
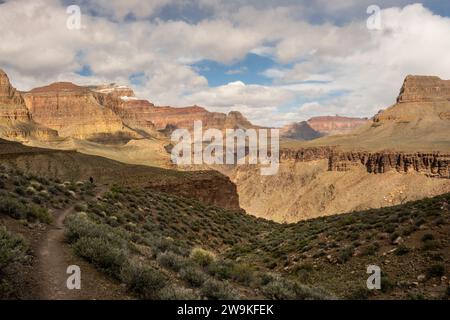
331,125
16,122
436,165
424,89
72,110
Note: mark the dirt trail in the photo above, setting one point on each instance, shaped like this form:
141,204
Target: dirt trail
54,257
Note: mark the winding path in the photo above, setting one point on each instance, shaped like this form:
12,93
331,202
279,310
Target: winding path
54,257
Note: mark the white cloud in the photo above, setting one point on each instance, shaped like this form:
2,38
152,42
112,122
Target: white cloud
344,67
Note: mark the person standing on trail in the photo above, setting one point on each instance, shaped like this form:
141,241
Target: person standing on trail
91,179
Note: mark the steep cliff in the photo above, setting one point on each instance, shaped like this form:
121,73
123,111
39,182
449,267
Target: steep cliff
16,122
424,89
73,111
431,164
331,125
420,120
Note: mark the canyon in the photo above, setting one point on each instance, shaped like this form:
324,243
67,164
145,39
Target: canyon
328,164
402,154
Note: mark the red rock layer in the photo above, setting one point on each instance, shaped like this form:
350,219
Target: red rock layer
71,110
424,89
330,125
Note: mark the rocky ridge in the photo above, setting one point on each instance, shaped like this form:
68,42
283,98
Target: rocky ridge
436,165
331,125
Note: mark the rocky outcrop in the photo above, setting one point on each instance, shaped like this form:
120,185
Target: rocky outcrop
16,122
436,165
431,164
163,117
299,131
12,107
424,89
306,154
331,125
73,111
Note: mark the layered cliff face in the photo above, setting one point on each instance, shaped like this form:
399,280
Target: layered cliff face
163,117
73,111
424,89
299,131
16,122
431,164
331,125
419,121
402,155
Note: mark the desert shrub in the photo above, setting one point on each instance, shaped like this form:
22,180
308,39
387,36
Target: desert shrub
80,207
145,281
303,271
202,257
345,254
221,269
193,276
371,249
402,250
386,283
12,249
431,245
171,261
177,293
215,290
39,213
435,271
427,237
102,253
243,274
13,208
281,289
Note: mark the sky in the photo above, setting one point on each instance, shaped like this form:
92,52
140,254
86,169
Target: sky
274,61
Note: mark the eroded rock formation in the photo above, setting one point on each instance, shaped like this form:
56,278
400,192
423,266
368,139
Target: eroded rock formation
430,164
15,120
424,89
72,110
330,125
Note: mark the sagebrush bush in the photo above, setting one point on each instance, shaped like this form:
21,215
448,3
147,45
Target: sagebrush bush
102,253
202,257
171,261
177,293
145,281
215,290
12,249
437,270
193,276
282,289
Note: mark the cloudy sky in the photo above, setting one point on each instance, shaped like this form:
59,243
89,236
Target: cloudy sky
275,61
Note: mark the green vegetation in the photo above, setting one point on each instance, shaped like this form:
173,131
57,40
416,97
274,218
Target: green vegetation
161,246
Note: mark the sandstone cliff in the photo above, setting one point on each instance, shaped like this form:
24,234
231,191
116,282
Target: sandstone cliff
331,125
424,89
420,120
16,122
73,111
431,164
